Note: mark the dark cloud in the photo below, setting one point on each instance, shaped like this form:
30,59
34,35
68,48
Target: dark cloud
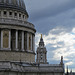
52,10
48,14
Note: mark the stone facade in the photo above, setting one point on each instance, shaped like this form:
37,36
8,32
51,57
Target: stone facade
16,34
17,56
8,68
17,43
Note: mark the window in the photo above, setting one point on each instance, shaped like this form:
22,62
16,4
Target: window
5,13
20,15
10,13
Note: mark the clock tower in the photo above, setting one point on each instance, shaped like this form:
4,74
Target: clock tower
41,52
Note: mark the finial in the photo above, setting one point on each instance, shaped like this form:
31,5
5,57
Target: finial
41,35
71,70
61,60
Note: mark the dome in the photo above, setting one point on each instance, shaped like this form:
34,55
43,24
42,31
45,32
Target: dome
14,4
17,35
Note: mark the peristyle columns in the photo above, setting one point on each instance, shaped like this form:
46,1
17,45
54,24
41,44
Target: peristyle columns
6,40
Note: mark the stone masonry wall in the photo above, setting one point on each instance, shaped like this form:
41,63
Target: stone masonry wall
17,56
17,73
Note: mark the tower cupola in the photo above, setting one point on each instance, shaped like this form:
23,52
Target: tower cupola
41,52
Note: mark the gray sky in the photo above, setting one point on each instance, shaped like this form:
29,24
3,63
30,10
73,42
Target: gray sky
55,19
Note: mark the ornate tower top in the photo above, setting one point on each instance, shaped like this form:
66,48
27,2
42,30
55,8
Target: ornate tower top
41,52
41,43
41,35
17,35
61,60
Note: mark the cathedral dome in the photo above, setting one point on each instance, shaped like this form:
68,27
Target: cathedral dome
17,35
14,4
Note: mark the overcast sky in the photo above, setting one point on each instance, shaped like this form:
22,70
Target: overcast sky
55,19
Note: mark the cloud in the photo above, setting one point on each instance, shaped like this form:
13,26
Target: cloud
69,63
59,43
48,14
46,8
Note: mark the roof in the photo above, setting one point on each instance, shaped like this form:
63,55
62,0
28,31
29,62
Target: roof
6,66
13,4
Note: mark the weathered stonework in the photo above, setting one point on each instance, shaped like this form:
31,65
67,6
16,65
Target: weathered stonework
41,52
9,68
17,28
17,56
17,43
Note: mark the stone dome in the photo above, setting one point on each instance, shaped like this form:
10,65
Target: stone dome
17,35
14,4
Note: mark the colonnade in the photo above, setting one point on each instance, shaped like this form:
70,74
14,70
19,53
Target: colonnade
16,40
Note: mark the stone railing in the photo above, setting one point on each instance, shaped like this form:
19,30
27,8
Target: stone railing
19,67
16,22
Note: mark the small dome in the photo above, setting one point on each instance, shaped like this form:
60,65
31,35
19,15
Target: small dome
14,4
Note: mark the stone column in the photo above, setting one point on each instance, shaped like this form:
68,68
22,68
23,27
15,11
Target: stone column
22,40
27,41
10,39
17,40
31,42
1,39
